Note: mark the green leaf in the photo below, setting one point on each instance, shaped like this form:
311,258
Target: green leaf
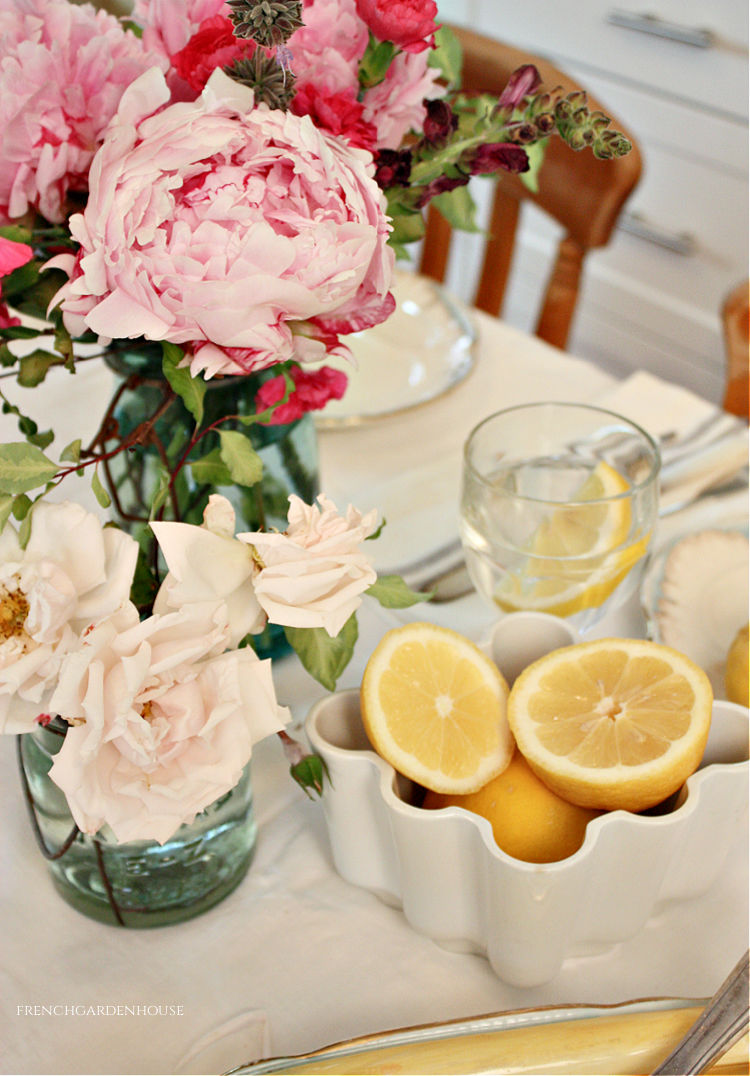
145,584
447,56
393,593
310,773
407,227
99,491
24,531
21,506
41,440
325,658
243,462
210,470
17,233
6,507
72,452
191,390
457,206
32,369
160,493
375,62
24,467
19,332
535,153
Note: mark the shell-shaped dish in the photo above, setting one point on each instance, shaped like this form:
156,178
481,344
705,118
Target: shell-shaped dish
456,886
696,597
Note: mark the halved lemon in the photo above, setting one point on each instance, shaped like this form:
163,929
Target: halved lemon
577,556
614,723
434,706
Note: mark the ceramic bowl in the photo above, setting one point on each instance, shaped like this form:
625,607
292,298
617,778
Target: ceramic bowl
456,886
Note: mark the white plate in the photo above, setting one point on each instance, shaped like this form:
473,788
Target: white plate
695,597
424,349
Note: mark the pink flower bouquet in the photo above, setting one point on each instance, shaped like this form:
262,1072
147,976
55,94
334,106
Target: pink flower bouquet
228,183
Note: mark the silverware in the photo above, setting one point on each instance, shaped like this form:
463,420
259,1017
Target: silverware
722,1023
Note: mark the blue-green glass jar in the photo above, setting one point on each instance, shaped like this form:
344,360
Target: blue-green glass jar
137,883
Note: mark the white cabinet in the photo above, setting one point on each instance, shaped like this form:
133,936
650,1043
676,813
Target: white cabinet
675,72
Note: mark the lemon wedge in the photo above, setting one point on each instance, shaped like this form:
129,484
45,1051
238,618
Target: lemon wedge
614,723
592,531
434,706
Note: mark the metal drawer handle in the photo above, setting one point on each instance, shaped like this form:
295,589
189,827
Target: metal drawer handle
678,242
652,24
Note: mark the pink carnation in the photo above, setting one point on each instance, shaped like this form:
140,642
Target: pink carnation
312,391
395,106
327,49
168,25
338,113
63,69
13,255
7,320
410,24
213,45
220,226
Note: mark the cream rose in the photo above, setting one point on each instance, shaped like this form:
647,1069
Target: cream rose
72,573
166,722
207,564
313,575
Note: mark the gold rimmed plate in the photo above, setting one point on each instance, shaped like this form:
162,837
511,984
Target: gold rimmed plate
631,1037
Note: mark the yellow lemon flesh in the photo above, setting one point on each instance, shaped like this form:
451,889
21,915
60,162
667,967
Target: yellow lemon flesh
591,531
736,673
529,821
614,723
434,706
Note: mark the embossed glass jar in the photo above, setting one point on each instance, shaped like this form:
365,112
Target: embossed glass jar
136,883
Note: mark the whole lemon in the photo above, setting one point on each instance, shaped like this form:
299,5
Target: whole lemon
529,822
736,672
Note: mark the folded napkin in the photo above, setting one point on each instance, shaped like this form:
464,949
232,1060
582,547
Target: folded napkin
701,445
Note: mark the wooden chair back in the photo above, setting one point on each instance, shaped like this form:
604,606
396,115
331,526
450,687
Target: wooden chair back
735,317
583,194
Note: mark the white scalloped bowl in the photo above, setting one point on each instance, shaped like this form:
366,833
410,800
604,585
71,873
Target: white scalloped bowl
456,886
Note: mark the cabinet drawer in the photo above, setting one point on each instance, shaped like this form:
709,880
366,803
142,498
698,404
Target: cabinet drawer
714,76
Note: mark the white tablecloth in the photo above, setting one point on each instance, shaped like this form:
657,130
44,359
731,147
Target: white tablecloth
297,958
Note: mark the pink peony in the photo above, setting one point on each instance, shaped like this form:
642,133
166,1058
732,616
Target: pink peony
314,574
410,24
312,391
63,69
164,722
396,105
234,231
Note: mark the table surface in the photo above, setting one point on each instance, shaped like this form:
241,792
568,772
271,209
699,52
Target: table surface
296,958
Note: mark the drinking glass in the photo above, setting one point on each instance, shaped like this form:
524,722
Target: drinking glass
558,506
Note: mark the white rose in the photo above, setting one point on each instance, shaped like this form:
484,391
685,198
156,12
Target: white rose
313,575
167,721
72,573
207,564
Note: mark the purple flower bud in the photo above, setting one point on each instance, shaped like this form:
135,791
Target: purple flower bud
392,168
440,121
523,81
440,186
499,155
